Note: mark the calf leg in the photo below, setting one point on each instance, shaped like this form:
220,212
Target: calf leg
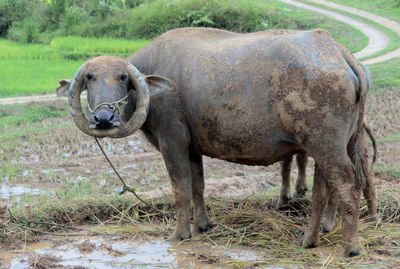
301,185
285,189
319,197
201,222
176,158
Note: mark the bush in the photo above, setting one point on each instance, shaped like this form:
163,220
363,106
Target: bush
26,31
12,11
159,16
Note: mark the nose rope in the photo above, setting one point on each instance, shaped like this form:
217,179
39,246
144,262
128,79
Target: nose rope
115,106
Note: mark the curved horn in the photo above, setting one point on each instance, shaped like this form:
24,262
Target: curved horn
142,104
79,118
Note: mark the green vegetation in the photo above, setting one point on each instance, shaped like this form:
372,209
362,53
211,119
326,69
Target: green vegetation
386,75
384,8
41,21
394,38
391,138
28,69
26,77
8,171
18,114
392,172
98,45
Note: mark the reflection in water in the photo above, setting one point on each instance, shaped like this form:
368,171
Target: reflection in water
10,191
127,254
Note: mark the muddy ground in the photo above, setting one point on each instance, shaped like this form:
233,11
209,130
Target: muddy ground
64,161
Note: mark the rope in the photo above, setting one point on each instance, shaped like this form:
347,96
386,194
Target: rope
126,188
113,105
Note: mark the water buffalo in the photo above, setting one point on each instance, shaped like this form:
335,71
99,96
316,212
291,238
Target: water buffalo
253,99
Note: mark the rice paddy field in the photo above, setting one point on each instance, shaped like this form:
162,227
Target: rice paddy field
28,69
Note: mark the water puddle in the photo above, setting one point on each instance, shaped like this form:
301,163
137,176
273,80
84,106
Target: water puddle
7,192
100,252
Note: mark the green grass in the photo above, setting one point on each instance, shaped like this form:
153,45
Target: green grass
98,45
385,8
391,138
392,171
14,50
18,114
394,38
8,171
385,75
26,77
23,119
27,69
297,18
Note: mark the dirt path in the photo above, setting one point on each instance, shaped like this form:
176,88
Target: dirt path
378,40
392,25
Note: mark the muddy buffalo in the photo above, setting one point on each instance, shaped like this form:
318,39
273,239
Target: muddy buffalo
253,99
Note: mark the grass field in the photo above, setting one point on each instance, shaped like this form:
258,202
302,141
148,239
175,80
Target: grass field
386,8
386,75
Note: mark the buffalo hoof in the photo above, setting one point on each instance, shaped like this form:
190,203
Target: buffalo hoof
325,230
310,241
179,236
300,193
283,202
351,252
201,228
327,227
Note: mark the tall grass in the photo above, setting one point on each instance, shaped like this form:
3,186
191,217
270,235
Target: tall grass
98,45
14,50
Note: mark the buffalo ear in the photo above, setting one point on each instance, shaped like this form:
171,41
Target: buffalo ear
62,90
159,85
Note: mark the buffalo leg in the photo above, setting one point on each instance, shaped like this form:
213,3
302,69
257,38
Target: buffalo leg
319,197
301,185
340,176
201,222
369,195
285,189
176,158
330,213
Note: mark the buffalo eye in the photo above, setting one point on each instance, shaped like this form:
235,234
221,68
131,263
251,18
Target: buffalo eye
89,76
123,77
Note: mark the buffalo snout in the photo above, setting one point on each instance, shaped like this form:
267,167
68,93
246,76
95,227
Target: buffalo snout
104,119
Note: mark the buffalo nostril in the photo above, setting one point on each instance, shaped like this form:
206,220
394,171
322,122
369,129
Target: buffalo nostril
104,119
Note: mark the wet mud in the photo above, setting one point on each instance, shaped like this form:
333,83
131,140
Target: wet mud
115,252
